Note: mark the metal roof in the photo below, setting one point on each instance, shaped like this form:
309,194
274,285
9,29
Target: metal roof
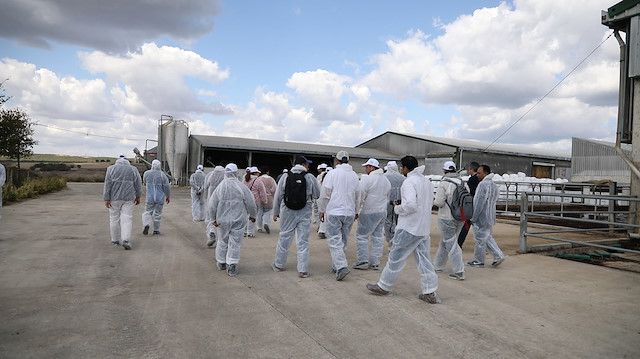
472,145
625,146
252,144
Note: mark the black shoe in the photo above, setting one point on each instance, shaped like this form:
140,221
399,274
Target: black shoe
267,229
126,245
145,231
342,272
232,270
115,244
321,235
221,266
156,233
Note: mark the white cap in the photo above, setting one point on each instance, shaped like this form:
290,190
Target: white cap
200,167
322,166
449,166
372,162
254,169
391,164
329,168
285,170
231,167
342,156
122,155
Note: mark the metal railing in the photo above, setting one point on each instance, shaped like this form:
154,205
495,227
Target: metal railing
615,221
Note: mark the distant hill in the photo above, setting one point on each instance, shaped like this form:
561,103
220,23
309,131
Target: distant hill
61,158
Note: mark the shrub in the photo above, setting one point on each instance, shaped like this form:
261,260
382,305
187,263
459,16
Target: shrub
33,188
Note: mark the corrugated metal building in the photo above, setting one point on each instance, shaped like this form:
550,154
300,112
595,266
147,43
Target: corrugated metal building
501,158
277,155
593,160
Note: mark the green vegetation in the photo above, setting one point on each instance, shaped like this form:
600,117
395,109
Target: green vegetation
32,188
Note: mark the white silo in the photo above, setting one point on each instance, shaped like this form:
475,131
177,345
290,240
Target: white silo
175,145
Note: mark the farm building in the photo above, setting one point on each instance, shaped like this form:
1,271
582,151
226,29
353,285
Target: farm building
533,162
593,160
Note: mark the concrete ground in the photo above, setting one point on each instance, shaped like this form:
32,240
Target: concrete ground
65,292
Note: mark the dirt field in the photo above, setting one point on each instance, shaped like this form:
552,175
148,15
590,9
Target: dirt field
67,293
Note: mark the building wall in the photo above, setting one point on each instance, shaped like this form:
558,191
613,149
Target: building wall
592,161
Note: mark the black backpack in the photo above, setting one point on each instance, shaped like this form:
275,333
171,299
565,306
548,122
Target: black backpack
295,190
461,205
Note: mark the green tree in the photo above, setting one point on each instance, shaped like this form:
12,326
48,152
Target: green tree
16,132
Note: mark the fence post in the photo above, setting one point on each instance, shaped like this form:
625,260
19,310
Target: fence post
613,191
524,204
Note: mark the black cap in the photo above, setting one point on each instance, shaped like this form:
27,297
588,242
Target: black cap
302,159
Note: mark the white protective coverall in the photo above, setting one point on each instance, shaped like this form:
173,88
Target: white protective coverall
264,211
374,191
338,199
449,226
197,194
484,218
230,204
412,233
158,190
122,185
211,181
294,221
396,179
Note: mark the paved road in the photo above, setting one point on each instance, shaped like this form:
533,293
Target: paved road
65,292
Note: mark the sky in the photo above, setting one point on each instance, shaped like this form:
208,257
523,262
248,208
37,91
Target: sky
96,76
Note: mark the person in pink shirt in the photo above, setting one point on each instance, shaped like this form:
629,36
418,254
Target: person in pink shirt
259,194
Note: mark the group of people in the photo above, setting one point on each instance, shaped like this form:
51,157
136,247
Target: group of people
393,202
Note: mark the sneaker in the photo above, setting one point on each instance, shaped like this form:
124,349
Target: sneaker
260,230
303,274
321,235
361,265
476,264
497,262
374,266
440,270
267,229
376,289
251,235
244,235
221,266
333,270
342,272
232,270
126,245
276,268
429,298
457,276
156,233
115,244
212,239
145,231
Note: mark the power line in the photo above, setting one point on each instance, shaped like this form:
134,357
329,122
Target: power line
548,92
89,134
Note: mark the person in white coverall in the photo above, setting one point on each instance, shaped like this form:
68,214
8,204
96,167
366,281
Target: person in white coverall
259,194
211,181
122,190
158,191
197,194
374,197
294,221
412,234
264,212
396,179
228,207
449,226
484,218
337,206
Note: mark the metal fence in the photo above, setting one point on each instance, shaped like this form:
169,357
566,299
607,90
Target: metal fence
611,215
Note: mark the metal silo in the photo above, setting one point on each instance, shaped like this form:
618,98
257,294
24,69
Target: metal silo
173,146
